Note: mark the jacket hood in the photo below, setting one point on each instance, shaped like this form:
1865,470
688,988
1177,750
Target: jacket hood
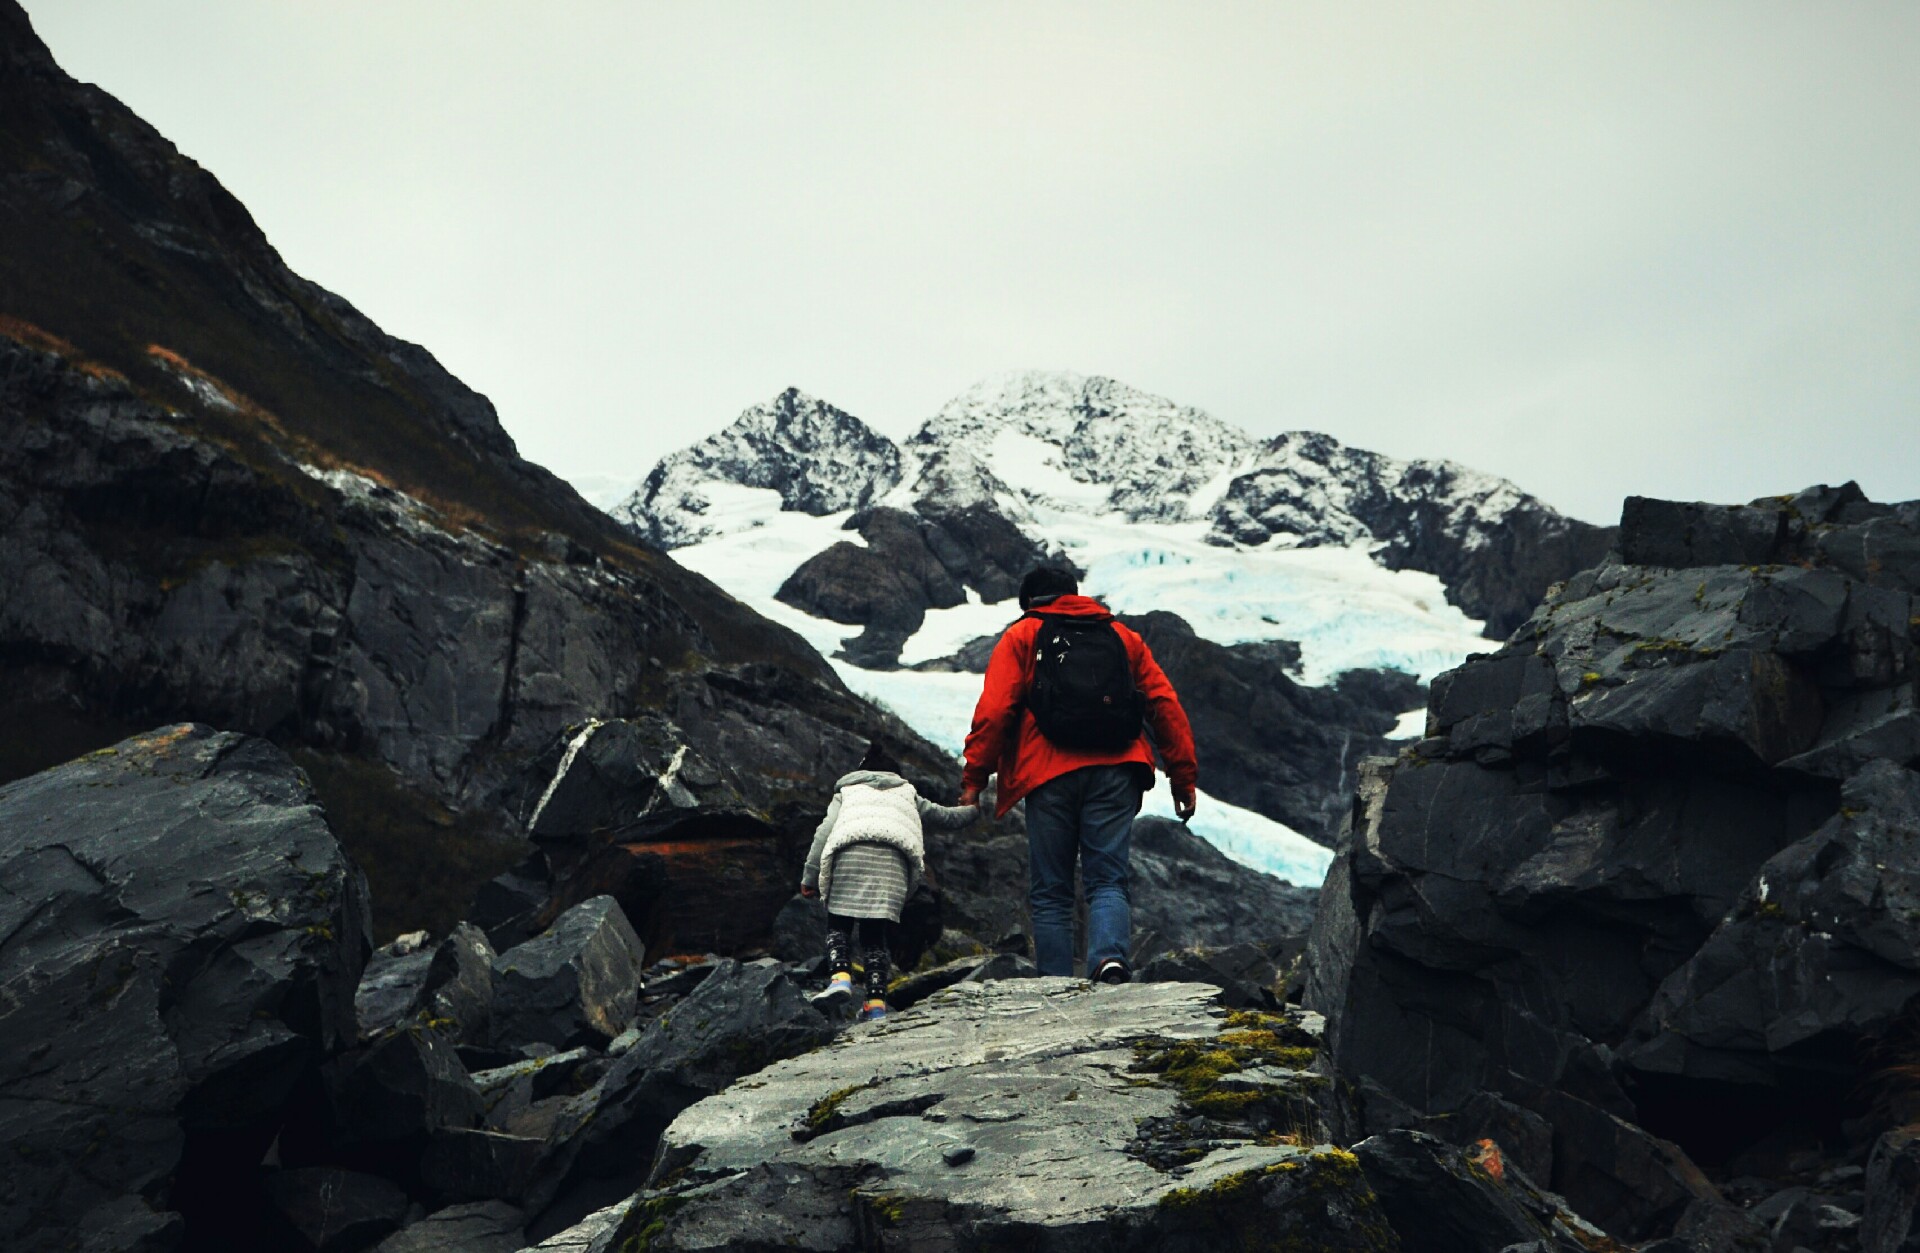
872,778
1075,606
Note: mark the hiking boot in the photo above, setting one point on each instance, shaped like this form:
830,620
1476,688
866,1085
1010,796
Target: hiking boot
873,1011
839,991
1112,970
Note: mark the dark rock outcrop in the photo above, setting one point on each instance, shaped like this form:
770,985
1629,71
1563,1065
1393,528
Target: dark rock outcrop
448,987
1495,548
910,563
182,941
1617,885
1891,1223
739,1019
384,1102
576,982
1439,1200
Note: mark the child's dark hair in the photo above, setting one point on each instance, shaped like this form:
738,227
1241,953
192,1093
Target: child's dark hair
878,758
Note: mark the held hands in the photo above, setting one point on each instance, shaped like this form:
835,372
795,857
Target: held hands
969,797
1183,803
808,892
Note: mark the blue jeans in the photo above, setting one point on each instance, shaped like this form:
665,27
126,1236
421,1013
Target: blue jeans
1085,814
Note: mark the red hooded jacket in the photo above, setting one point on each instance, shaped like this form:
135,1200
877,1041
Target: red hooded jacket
1006,740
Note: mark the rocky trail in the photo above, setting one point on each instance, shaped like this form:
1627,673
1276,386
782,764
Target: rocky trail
297,653
201,1049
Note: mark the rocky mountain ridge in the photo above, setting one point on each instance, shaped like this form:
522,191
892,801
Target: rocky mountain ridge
227,496
1092,445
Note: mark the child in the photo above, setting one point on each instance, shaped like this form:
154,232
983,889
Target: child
866,856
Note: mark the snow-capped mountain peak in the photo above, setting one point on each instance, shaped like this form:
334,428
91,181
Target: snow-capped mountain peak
1092,444
814,457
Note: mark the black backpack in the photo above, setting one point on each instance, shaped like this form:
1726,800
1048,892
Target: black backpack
1082,694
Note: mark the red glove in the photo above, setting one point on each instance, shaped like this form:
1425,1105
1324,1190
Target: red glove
1183,803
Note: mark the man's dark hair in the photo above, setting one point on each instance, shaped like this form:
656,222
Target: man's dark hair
1043,583
878,758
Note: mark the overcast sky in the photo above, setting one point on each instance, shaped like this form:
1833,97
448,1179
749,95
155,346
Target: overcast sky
1600,249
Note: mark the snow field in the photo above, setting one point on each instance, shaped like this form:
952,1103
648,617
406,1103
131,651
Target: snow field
1345,611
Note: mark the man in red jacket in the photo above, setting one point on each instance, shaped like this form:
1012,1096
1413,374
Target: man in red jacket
1080,801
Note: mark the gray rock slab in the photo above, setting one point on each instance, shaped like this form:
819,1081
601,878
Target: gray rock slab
1003,1106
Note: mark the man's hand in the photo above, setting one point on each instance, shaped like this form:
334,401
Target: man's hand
808,892
969,797
1183,802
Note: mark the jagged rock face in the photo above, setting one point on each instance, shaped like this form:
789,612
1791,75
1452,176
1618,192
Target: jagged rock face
336,1211
236,500
183,939
1891,1222
1495,548
449,986
1439,1199
739,1019
147,569
1140,455
818,458
1617,884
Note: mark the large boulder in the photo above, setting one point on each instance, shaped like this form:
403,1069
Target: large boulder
1648,877
575,983
448,987
1440,1198
383,1103
740,1018
184,937
1821,953
1035,1113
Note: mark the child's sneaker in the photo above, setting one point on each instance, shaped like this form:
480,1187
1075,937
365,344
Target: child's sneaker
839,991
873,1011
